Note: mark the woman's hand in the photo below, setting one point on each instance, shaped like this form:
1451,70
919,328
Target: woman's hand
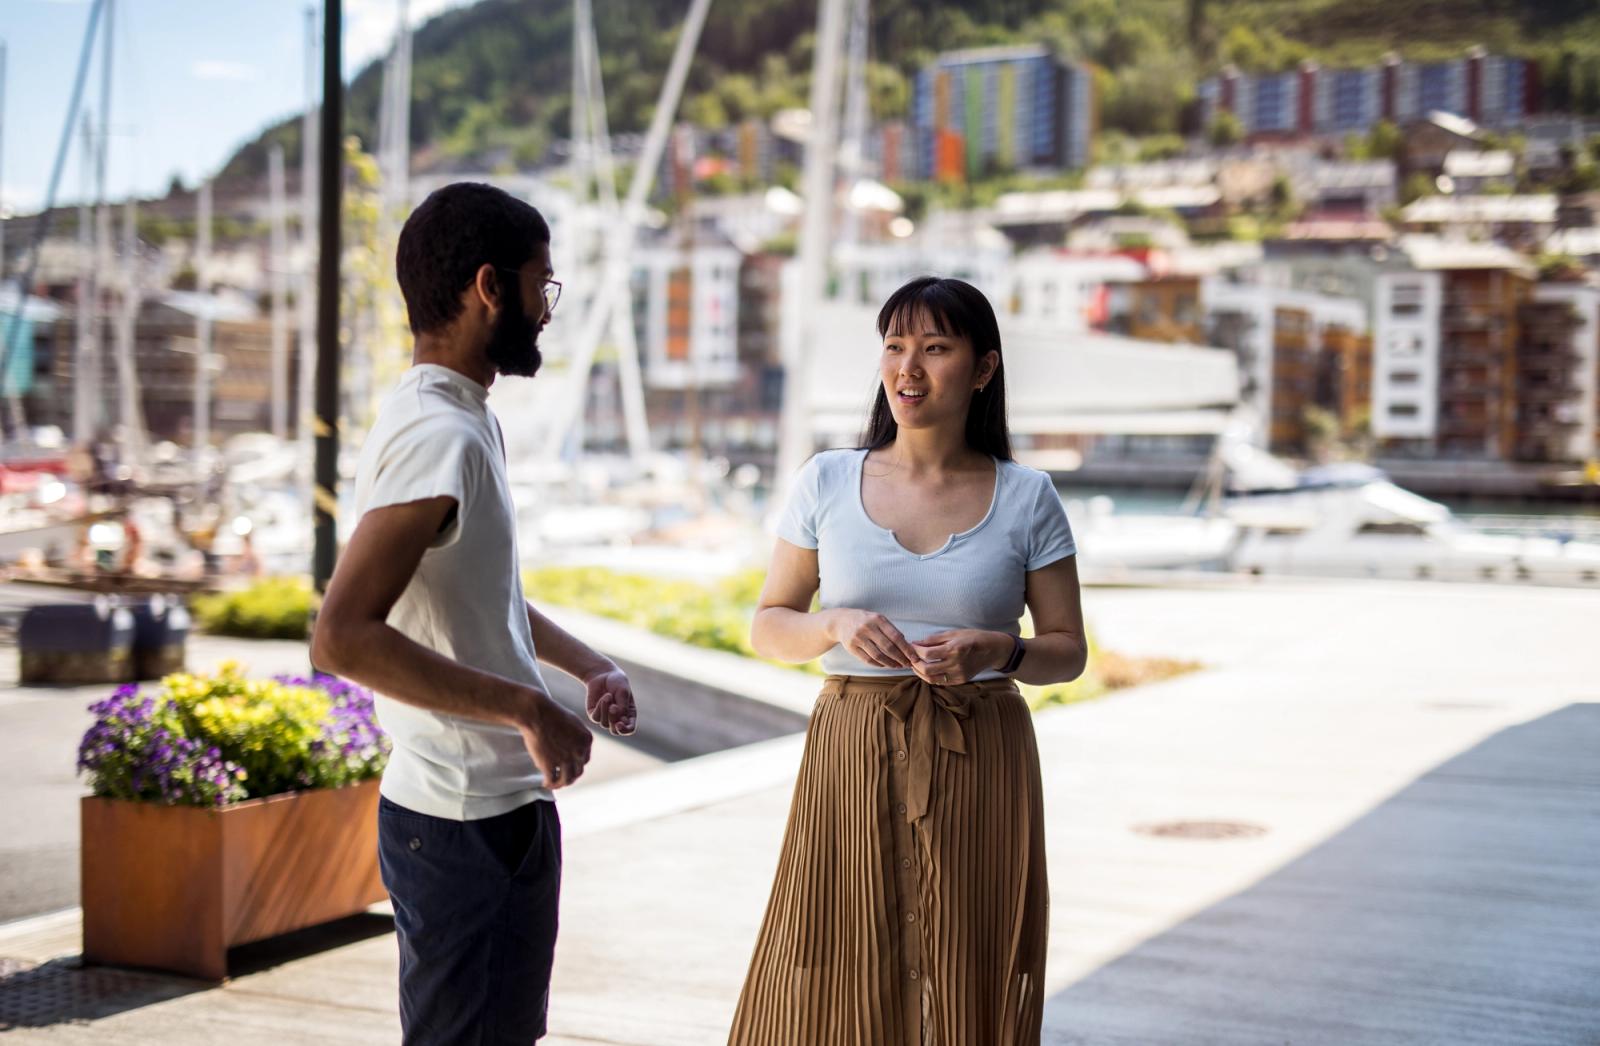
871,638
956,656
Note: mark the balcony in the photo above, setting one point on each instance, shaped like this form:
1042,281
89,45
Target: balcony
1542,393
1467,392
1460,318
1459,355
1562,358
1469,426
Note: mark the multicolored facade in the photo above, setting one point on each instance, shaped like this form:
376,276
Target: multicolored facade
1489,89
1001,108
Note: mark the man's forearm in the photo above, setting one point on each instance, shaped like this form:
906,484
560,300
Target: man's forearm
561,649
380,657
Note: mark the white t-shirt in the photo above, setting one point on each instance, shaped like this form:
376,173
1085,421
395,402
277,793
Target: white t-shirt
435,436
978,579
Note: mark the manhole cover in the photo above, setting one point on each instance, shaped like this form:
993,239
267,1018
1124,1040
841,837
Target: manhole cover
1201,830
34,995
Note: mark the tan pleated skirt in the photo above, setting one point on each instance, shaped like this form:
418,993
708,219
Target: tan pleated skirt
910,906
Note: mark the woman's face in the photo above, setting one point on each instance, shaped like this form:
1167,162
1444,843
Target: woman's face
930,377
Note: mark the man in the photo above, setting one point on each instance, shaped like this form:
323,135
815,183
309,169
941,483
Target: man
426,608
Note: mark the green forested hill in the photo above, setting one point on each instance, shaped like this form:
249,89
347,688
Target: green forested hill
497,74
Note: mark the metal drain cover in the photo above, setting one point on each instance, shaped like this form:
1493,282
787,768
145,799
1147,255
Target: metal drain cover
34,995
1201,830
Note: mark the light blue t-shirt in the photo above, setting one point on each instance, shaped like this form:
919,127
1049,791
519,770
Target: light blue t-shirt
977,580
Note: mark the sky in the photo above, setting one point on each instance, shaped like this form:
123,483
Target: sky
191,81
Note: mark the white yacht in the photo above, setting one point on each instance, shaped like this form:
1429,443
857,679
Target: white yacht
1262,516
1353,522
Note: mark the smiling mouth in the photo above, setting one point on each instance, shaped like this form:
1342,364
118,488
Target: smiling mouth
911,396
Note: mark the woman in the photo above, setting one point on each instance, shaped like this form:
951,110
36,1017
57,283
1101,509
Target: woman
910,904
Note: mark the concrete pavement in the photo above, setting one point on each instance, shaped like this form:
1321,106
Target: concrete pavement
1375,818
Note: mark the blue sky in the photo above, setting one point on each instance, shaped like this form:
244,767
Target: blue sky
191,81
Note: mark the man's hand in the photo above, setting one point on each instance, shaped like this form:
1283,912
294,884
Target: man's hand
610,701
558,741
955,656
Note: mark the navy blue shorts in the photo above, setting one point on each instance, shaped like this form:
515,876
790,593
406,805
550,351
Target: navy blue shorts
475,912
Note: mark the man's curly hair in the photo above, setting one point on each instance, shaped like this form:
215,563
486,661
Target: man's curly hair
457,229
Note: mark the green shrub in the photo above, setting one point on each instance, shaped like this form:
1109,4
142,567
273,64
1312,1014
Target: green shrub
718,618
276,608
715,617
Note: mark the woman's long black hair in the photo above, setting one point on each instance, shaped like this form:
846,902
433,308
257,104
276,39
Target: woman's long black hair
955,308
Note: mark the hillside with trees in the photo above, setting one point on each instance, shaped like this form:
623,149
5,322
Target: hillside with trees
494,78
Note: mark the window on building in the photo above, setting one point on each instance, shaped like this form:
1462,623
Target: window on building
1393,529
1186,311
1404,410
1405,377
1404,344
1407,299
1147,311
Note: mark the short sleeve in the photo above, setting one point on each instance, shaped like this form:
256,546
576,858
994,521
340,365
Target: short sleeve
424,461
1050,536
798,522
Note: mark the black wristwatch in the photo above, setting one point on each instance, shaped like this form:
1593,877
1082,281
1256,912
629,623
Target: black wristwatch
1018,652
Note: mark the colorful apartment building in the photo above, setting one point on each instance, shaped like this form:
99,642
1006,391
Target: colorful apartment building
686,314
1493,90
1001,108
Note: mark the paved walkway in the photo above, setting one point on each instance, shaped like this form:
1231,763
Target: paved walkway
1403,778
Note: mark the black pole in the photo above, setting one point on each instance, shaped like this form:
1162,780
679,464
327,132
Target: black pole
326,492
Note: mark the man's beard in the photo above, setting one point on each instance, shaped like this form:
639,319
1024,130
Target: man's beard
514,342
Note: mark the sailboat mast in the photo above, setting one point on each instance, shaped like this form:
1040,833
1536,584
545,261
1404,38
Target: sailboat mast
278,267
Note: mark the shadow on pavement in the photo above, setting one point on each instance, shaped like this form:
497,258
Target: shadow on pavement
1465,909
276,951
66,991
63,991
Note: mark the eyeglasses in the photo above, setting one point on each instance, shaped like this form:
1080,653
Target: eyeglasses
551,289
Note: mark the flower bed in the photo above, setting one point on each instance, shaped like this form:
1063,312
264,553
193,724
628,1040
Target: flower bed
225,810
215,740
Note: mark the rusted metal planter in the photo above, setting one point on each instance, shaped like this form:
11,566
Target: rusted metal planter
174,887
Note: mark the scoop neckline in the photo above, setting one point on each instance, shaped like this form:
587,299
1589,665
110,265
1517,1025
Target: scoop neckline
949,542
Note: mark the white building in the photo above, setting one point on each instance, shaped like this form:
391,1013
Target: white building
1582,244
1058,381
867,273
1405,354
1050,287
1367,186
1484,217
1471,171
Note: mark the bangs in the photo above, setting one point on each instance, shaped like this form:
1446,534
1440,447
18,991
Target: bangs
922,307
